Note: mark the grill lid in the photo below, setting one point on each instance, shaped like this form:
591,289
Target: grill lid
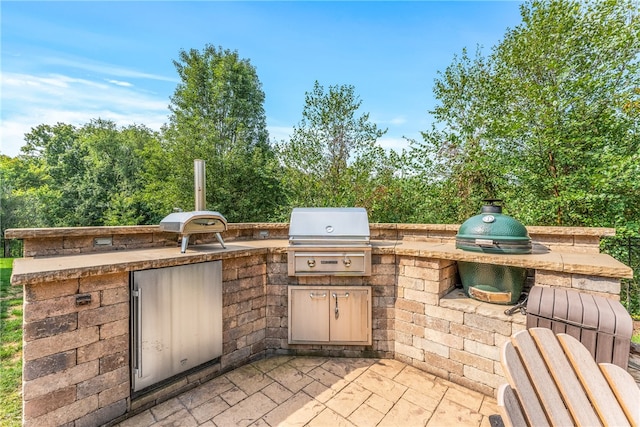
329,226
493,232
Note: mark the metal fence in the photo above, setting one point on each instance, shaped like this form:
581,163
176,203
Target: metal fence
627,250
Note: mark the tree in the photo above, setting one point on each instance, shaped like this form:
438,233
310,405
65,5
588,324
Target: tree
459,156
568,71
332,158
554,110
217,115
93,175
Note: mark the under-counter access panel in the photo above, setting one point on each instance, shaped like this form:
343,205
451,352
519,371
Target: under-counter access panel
176,317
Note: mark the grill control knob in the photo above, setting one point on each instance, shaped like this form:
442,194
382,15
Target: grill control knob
347,262
311,263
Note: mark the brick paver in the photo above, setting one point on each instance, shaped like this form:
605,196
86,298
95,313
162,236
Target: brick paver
316,391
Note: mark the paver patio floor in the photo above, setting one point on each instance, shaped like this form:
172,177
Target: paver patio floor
322,391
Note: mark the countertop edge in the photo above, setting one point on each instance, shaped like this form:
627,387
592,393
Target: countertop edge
43,269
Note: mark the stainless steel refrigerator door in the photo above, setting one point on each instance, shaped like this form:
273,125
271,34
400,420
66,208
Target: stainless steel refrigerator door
177,320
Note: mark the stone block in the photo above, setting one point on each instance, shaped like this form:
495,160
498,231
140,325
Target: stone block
411,283
107,281
446,363
422,297
431,346
447,339
403,338
103,382
484,350
50,326
404,316
483,377
50,290
409,305
114,295
39,310
102,315
99,349
103,415
409,328
65,414
478,362
49,383
253,271
406,260
235,358
487,324
111,362
229,274
48,365
444,313
255,337
432,263
605,285
59,343
409,351
464,331
49,402
552,278
114,329
429,322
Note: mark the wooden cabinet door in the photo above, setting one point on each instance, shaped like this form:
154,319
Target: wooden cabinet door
308,314
349,315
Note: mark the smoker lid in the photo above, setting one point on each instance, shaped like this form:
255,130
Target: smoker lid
194,222
329,223
493,232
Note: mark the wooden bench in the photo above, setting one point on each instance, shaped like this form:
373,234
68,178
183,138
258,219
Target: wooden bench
554,381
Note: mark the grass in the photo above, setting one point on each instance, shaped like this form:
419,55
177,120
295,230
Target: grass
10,348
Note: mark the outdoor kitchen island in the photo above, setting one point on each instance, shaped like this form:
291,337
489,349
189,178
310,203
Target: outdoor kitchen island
77,307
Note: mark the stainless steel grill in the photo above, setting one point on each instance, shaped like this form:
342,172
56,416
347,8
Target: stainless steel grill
329,241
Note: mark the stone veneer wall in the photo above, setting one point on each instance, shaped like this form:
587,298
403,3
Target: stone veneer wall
76,357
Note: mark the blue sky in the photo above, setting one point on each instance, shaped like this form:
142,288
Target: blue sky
75,61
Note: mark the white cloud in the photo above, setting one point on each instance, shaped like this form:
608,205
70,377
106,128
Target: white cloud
389,143
279,133
119,83
30,100
100,68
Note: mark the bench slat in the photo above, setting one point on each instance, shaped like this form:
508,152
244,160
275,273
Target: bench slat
517,375
541,379
595,385
624,387
565,379
512,415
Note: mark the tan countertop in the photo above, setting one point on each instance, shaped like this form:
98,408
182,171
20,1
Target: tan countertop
43,269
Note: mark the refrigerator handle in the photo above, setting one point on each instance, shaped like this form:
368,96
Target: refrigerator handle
137,295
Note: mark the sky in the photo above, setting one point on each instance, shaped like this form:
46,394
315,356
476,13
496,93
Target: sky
75,61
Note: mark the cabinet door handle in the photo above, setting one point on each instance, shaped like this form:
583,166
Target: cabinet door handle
312,295
336,295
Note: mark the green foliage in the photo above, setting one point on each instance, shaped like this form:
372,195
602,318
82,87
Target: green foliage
10,348
548,122
217,115
332,158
